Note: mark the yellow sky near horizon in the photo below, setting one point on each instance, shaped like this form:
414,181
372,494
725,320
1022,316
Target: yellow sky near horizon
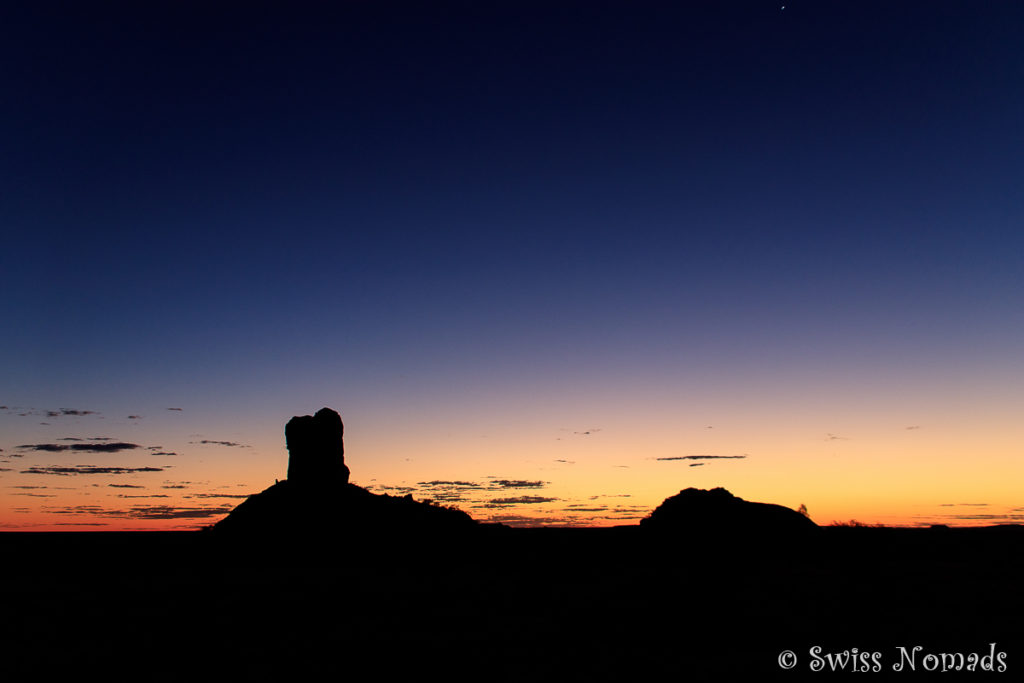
613,469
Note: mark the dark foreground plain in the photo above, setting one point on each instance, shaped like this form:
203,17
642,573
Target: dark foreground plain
619,604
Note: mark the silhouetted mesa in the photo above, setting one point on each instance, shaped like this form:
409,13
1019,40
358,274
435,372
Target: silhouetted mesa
318,500
717,511
316,449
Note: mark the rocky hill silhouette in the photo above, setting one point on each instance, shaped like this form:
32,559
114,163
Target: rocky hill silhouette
716,511
317,497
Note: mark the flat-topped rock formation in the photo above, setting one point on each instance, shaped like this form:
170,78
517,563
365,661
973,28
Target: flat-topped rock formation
317,499
316,449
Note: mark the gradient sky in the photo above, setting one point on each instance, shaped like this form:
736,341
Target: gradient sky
537,254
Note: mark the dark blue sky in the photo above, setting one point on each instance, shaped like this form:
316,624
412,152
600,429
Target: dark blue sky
251,205
218,166
481,229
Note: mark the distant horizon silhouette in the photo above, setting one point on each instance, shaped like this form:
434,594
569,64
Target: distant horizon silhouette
317,496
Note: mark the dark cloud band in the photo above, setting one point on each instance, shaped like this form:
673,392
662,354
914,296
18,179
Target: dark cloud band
704,457
89,469
111,447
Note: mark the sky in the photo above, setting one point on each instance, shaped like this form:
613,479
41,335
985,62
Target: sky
552,262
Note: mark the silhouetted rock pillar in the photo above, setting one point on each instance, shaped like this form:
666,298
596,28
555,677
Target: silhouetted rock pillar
316,451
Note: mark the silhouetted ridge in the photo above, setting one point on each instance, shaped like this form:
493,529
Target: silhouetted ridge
317,497
718,511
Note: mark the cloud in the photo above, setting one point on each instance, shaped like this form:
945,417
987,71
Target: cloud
529,521
705,457
163,453
74,509
440,490
697,464
171,512
517,484
986,517
175,409
444,484
397,489
69,411
126,486
46,447
174,486
148,495
210,442
142,511
218,495
454,490
134,417
88,469
517,500
833,437
447,496
112,447
588,432
567,462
